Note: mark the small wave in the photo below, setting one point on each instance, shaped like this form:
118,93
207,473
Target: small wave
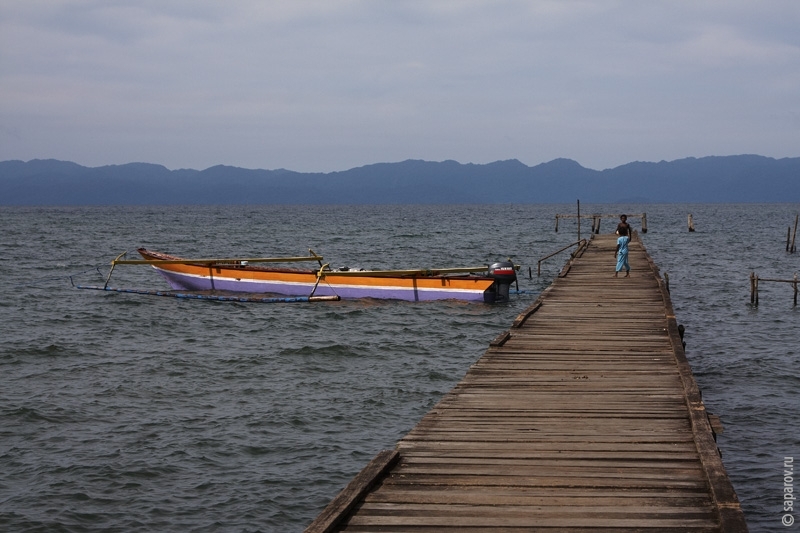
149,472
256,451
332,350
27,414
438,376
411,236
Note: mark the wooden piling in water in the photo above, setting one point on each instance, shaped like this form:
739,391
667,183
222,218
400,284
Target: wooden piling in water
691,223
754,281
583,415
753,289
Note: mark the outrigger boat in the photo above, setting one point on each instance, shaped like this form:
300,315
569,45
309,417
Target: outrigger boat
484,283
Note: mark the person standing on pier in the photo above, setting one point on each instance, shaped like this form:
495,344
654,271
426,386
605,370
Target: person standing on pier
623,228
621,252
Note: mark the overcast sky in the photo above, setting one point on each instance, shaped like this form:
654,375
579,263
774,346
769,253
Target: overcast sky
324,85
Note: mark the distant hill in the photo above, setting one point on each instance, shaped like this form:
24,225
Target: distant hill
729,179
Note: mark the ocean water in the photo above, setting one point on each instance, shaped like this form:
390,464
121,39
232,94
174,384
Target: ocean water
124,412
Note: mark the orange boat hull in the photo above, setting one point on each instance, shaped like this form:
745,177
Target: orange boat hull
301,282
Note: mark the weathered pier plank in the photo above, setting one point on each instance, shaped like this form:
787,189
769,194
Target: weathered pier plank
584,416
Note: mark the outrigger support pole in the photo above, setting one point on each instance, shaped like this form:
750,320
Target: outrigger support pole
216,261
320,275
113,264
317,257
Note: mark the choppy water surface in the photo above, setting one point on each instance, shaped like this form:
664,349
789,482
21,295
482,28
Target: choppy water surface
122,412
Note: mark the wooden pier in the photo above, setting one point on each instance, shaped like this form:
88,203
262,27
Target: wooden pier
583,416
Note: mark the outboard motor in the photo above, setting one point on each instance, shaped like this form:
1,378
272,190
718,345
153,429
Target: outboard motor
504,275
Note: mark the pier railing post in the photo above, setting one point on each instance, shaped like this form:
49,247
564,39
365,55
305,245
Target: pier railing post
753,289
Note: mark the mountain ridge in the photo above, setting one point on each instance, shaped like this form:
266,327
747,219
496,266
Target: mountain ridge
746,178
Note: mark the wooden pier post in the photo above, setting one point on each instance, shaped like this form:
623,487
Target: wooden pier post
579,220
644,222
597,224
794,235
691,223
794,285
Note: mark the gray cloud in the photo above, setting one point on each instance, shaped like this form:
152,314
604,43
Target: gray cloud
328,85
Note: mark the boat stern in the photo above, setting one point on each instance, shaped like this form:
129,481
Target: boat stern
503,273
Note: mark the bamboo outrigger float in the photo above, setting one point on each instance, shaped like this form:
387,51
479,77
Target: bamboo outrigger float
489,283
